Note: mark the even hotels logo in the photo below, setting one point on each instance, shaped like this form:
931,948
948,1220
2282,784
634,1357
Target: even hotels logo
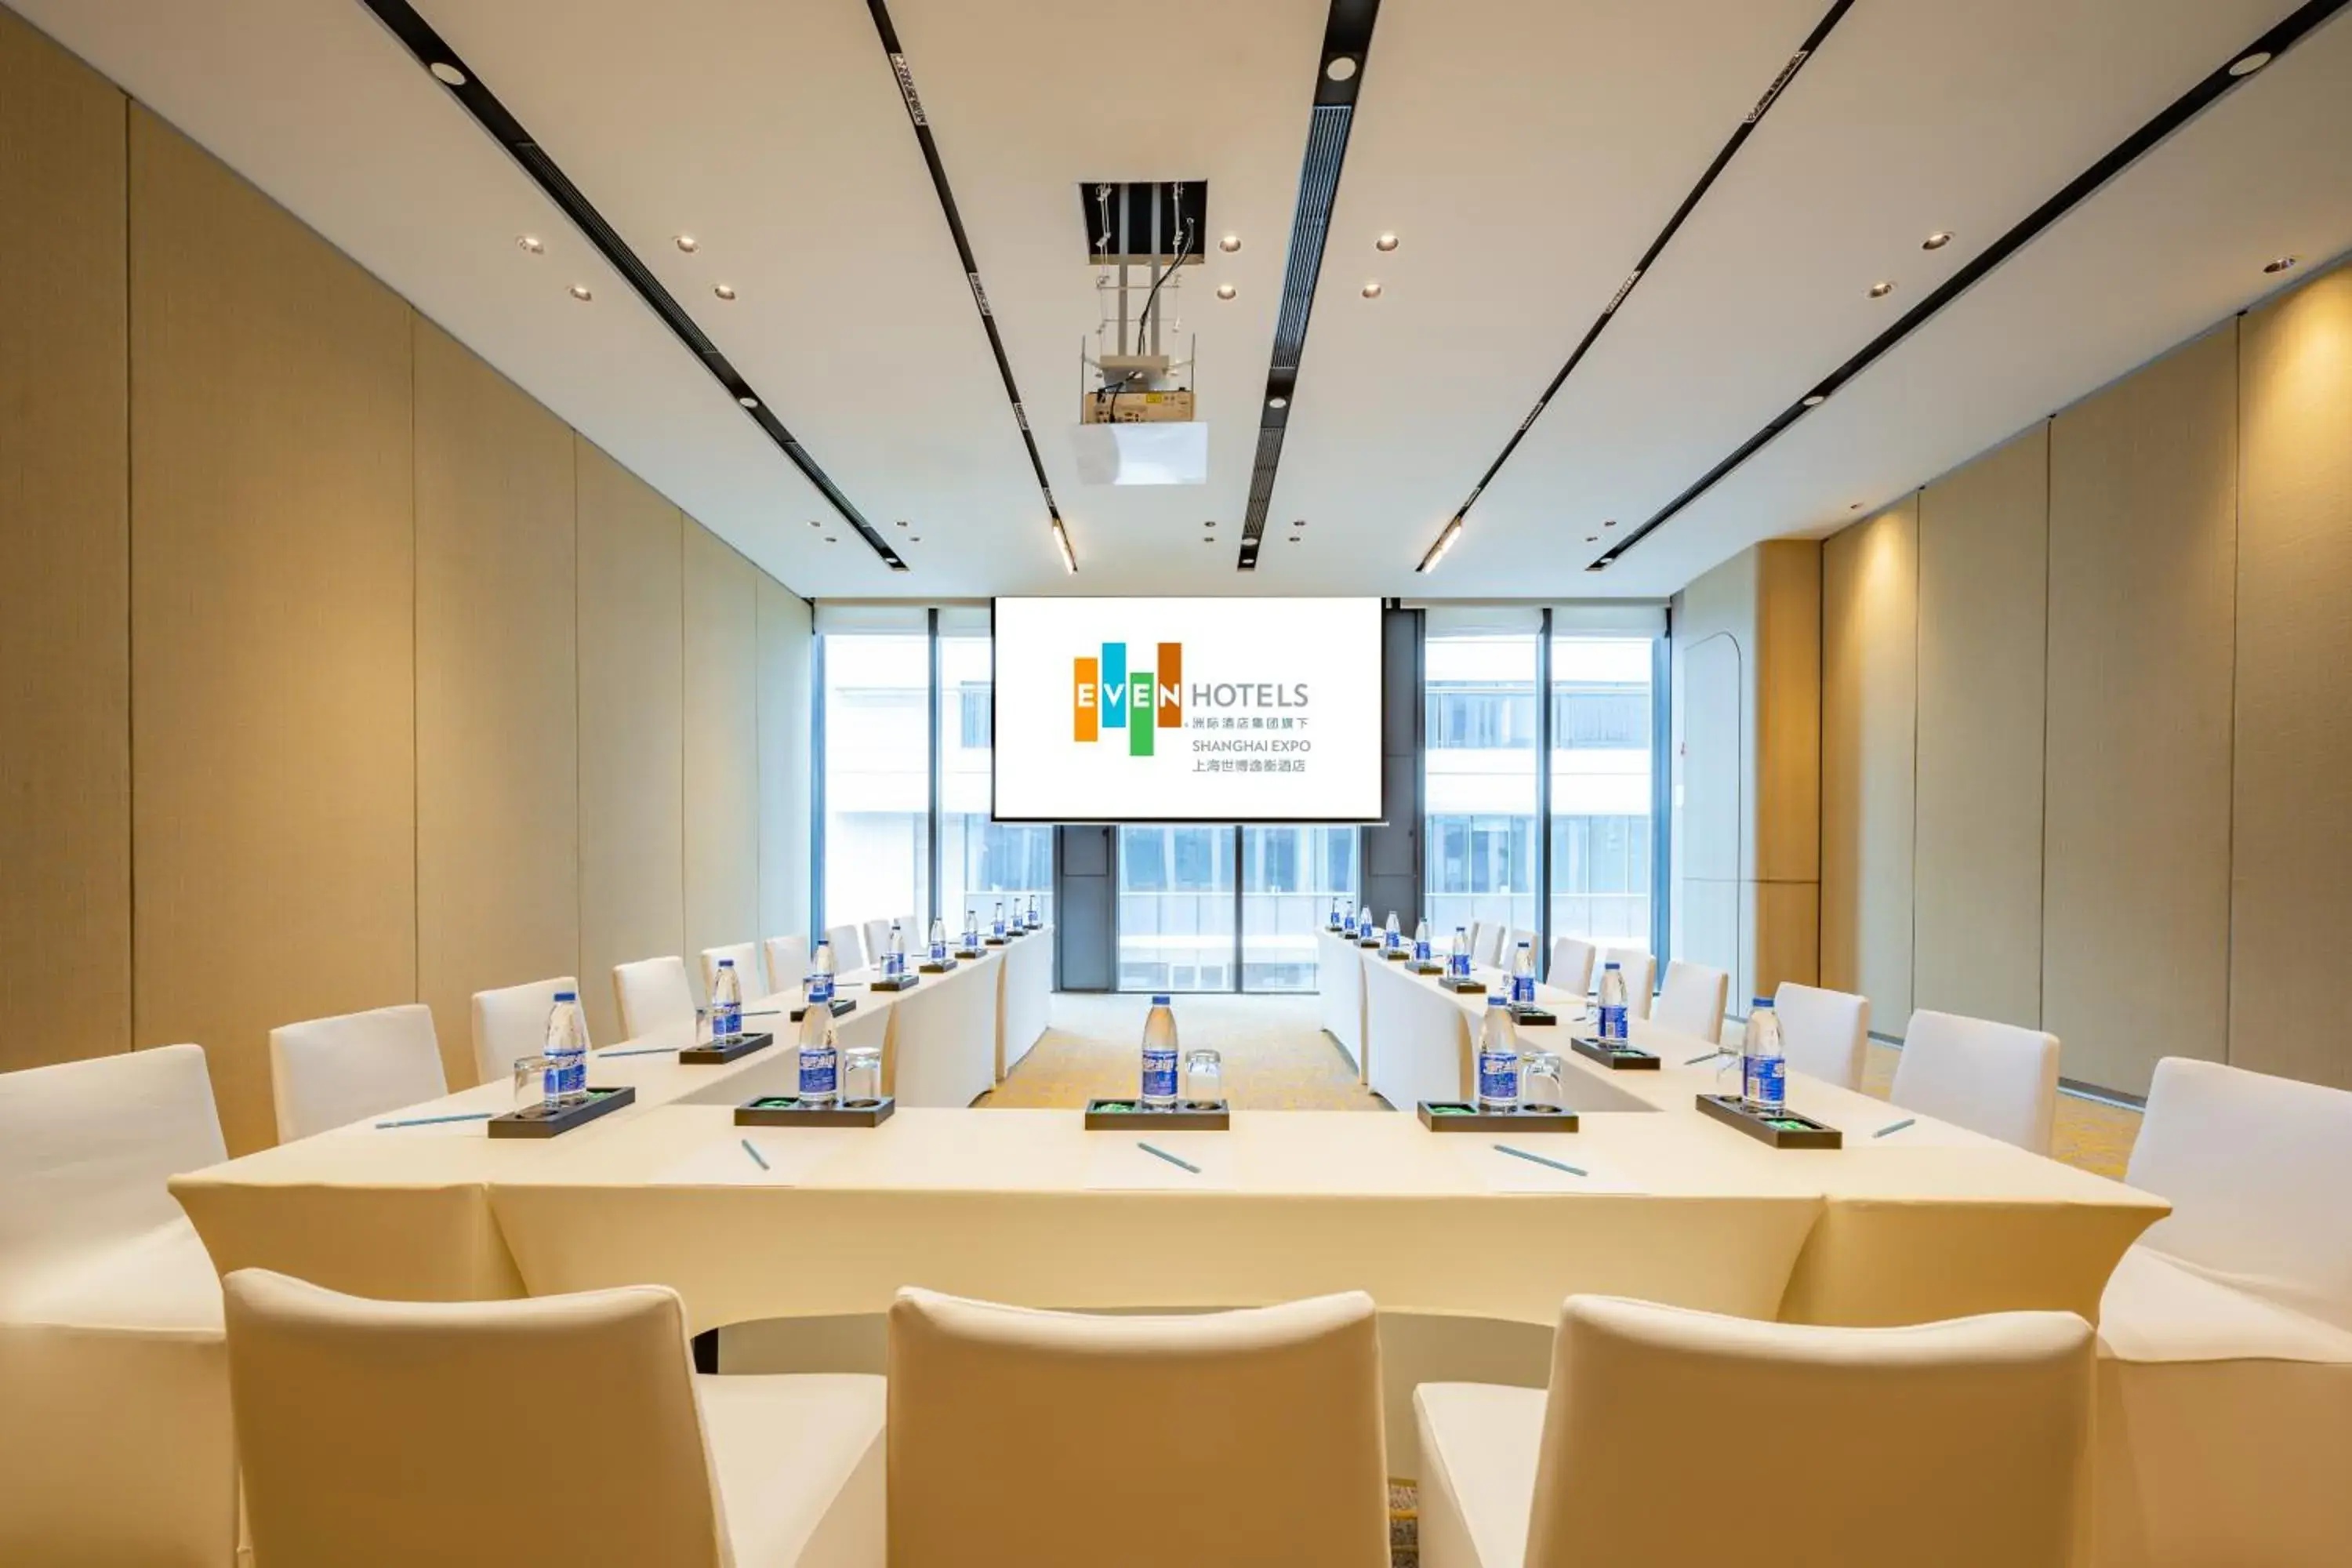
1105,694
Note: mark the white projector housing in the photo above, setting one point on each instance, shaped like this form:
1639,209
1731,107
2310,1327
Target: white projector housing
1162,452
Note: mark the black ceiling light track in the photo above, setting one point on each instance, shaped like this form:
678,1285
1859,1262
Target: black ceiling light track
1649,259
1338,77
904,73
460,81
2241,65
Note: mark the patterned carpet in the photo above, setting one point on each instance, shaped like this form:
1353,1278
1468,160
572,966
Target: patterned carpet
1277,1057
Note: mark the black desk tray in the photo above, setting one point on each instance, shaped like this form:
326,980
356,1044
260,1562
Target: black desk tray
1427,967
1397,954
1528,1013
549,1121
717,1053
1461,1116
894,983
840,1005
1134,1116
790,1111
1464,983
1616,1056
1786,1130
941,967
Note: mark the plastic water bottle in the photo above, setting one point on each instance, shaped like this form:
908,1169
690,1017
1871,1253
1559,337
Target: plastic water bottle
1035,918
1393,936
1336,919
1160,1056
894,963
1762,1065
564,1081
1523,976
819,1058
1457,957
939,939
999,917
820,980
1498,1057
726,1003
1421,942
1364,924
1612,1001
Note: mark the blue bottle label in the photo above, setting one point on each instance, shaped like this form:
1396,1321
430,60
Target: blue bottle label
1612,1022
1768,1083
1522,990
1421,952
1499,1076
550,1080
819,1070
1458,965
1158,1074
574,1073
939,952
820,989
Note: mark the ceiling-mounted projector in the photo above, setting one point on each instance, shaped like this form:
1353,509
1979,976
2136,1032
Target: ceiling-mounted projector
1136,419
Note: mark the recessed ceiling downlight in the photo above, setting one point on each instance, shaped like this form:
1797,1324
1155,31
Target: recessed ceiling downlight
687,243
2247,65
1816,399
446,74
1277,403
1881,289
1343,68
1938,240
531,243
1385,242
2281,264
1371,290
724,291
579,291
1230,244
1226,290
747,401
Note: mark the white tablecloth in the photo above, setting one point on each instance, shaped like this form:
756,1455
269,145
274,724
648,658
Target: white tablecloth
1339,987
1026,994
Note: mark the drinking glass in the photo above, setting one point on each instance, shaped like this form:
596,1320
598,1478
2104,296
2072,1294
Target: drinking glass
861,1075
530,1082
1542,1084
1204,1076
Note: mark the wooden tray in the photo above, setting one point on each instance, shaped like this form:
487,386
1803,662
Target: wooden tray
1427,967
1134,1116
971,953
1397,954
1786,1130
713,1054
1461,1116
840,1005
894,983
994,940
1465,986
541,1122
787,1110
1368,941
1616,1059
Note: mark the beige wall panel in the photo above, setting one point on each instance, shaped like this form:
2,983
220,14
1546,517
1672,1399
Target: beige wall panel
1787,945
497,841
632,741
1870,699
65,601
723,728
273,587
1787,719
784,747
1984,539
2292,871
2135,910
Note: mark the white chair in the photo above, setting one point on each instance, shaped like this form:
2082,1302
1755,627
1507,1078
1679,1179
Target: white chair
383,1433
1993,1079
746,958
1824,1033
2225,1334
788,962
1691,1002
325,1072
1487,944
1952,1445
511,1023
1571,966
1014,1432
848,949
115,1442
877,940
654,997
1641,971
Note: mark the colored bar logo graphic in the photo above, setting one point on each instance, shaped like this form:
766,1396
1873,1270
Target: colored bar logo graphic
1104,694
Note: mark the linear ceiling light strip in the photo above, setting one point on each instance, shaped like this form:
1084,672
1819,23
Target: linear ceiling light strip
437,57
1338,77
2240,65
1649,259
904,76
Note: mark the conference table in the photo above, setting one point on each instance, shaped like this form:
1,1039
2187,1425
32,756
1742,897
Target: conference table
1339,993
1658,1202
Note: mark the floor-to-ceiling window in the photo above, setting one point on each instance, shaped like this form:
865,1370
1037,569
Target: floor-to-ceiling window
1601,761
981,863
1176,909
877,771
1289,878
1479,732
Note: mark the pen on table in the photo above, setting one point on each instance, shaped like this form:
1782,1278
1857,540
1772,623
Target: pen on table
436,1121
1894,1127
1707,1057
757,1158
1169,1158
641,1051
1538,1159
